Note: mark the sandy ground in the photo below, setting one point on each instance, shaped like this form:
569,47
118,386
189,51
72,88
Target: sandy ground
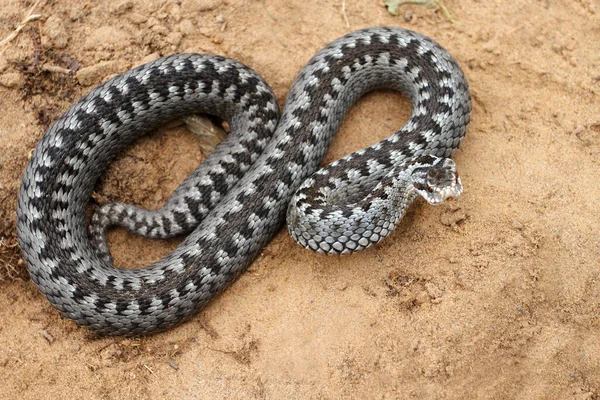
494,296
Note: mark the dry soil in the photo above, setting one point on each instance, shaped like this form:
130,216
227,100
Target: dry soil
493,296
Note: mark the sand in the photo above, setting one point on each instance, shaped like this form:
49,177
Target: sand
493,296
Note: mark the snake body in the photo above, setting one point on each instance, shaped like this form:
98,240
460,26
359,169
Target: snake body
236,201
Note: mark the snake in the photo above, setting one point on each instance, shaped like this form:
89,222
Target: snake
266,171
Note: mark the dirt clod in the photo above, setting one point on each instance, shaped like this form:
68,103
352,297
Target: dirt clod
95,73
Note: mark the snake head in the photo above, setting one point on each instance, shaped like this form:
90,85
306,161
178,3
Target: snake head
435,179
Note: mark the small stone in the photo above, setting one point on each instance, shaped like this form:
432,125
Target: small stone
421,298
54,32
219,19
174,38
205,31
453,206
537,41
489,46
121,7
175,13
193,6
408,15
160,29
187,28
137,18
151,22
432,290
150,57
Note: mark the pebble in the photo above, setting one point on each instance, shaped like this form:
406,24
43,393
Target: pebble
174,38
189,7
175,13
151,22
55,33
432,290
137,18
187,28
121,7
205,31
160,29
147,59
150,57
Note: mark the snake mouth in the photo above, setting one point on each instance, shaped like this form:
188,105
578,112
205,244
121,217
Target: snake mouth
436,195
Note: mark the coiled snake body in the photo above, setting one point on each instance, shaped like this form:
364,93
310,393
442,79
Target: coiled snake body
237,199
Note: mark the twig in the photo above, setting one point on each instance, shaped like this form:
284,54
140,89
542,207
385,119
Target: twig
446,12
149,369
269,13
30,16
8,268
344,14
55,68
207,327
